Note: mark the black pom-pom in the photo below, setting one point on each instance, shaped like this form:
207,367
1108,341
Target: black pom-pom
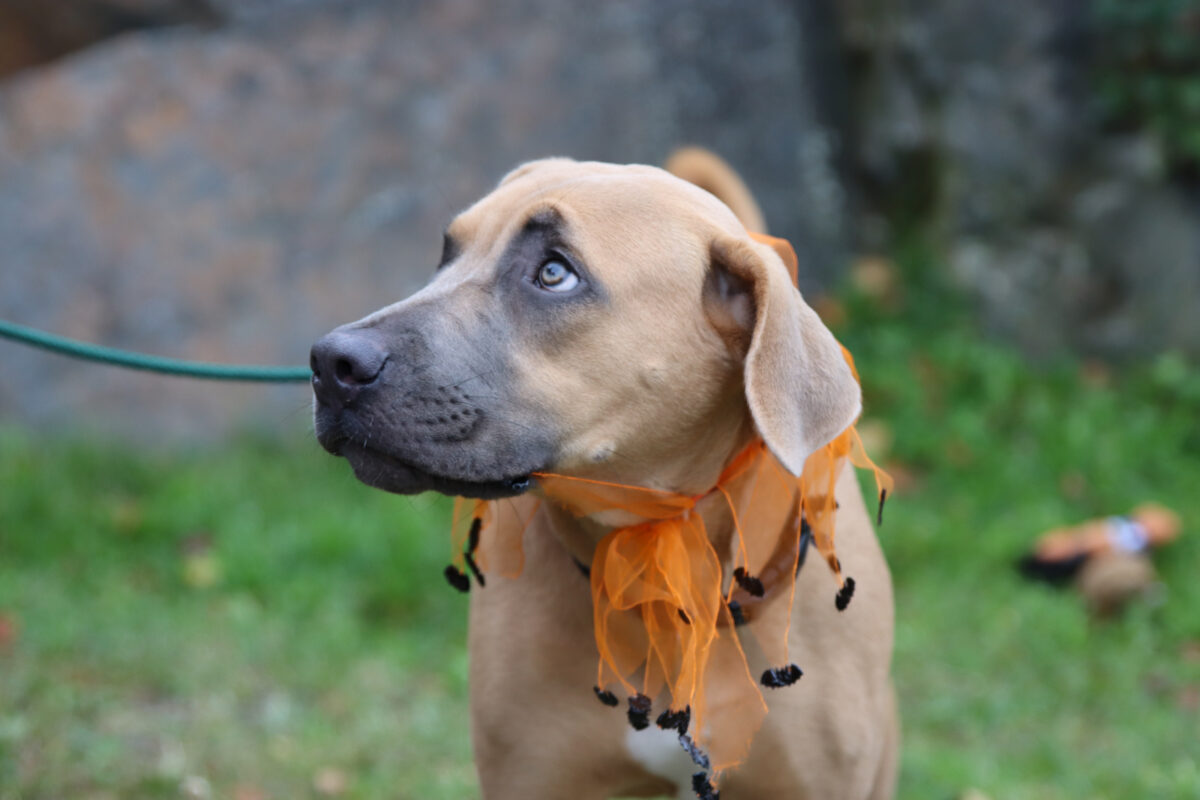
748,582
781,676
606,697
457,579
639,712
703,788
879,514
675,719
735,611
844,594
471,565
698,756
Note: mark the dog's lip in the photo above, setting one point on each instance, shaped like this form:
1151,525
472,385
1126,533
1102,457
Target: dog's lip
392,473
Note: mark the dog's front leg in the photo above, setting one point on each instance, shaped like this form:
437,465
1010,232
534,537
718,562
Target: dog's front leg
537,729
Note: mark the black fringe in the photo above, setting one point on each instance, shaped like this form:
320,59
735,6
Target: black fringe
698,756
675,719
703,788
639,712
473,536
735,611
806,537
844,594
469,558
781,676
471,565
457,579
751,584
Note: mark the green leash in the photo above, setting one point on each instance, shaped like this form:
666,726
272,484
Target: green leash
165,366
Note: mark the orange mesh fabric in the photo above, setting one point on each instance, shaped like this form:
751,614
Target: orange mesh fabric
821,471
660,594
504,525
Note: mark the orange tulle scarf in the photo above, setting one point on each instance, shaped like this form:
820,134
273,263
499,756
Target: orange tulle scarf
665,608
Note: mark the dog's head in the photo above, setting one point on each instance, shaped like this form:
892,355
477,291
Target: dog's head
607,321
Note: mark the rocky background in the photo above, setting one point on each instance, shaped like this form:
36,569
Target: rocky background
228,179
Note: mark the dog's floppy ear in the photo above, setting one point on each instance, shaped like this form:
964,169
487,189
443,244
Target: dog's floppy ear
800,390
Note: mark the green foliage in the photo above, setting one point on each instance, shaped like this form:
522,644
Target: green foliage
252,619
1147,70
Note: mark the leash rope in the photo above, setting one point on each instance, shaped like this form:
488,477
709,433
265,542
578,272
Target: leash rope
149,363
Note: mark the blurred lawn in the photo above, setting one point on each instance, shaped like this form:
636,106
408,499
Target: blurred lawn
252,623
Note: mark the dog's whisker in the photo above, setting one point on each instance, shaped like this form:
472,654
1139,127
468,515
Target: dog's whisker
476,376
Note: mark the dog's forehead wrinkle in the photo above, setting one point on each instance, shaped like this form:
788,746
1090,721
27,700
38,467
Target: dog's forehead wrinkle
611,184
545,216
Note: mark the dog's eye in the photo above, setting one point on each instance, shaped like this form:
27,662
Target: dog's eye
555,276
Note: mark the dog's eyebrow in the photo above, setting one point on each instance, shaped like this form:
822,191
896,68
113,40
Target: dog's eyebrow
450,249
545,218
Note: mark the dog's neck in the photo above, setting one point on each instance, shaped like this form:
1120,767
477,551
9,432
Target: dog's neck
692,473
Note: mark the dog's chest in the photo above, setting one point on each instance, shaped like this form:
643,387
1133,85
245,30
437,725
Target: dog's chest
658,752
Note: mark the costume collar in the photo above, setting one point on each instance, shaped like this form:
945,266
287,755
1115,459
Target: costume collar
665,603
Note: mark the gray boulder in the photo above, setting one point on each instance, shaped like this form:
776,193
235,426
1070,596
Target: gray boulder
977,121
232,193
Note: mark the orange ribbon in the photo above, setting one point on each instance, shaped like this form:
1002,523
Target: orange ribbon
657,586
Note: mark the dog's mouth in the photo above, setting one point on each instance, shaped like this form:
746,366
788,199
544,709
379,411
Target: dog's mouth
386,471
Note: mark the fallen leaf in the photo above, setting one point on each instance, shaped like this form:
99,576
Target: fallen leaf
877,438
830,310
874,276
126,515
10,629
197,543
1072,484
905,478
1095,373
330,781
248,791
196,787
201,571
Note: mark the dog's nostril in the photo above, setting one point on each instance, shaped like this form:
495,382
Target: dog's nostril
344,371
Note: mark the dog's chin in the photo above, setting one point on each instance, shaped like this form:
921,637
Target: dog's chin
384,471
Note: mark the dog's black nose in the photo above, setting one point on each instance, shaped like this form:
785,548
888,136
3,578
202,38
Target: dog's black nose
343,362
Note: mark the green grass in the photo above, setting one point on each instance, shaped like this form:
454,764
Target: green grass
251,622
249,616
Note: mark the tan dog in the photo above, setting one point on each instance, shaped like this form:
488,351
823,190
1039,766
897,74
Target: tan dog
618,323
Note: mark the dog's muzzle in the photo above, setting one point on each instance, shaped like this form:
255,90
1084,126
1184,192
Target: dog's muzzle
407,422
